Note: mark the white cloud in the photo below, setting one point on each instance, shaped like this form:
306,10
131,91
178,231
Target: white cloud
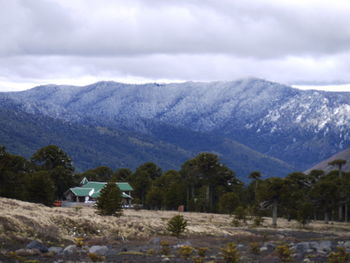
63,40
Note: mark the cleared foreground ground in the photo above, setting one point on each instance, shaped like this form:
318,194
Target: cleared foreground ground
21,222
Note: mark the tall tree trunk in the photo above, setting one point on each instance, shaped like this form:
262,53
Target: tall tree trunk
346,212
208,195
188,198
326,218
340,212
274,213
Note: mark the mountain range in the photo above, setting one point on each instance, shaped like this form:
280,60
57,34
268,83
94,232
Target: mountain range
252,124
325,166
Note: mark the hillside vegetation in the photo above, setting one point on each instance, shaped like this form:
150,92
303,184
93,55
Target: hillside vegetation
90,146
297,126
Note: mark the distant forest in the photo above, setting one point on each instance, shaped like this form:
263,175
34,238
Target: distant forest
203,184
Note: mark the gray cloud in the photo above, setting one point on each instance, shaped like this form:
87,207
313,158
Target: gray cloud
157,39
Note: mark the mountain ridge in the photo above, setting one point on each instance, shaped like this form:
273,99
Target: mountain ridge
299,127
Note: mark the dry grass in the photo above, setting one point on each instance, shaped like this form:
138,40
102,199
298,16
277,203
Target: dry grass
29,220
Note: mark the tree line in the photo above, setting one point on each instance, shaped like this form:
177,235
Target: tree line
202,184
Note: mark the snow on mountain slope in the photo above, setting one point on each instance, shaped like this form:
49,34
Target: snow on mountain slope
300,127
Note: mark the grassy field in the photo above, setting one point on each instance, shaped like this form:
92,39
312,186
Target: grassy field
23,221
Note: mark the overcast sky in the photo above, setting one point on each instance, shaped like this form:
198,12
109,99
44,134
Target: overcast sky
84,41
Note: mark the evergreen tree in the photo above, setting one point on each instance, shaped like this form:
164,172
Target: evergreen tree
154,198
110,200
99,174
50,157
141,182
122,175
228,203
339,163
40,188
270,194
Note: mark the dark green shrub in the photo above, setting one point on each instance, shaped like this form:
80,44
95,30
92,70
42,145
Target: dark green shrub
258,221
341,256
164,247
284,253
185,251
254,248
110,200
177,225
241,214
230,253
202,251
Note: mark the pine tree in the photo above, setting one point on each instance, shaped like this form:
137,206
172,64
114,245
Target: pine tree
110,200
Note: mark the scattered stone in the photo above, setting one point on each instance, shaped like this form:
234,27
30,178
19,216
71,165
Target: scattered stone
56,250
24,252
302,247
71,249
325,246
262,249
165,259
186,243
314,245
155,241
99,250
240,246
35,244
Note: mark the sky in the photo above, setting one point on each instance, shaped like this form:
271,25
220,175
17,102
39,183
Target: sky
136,41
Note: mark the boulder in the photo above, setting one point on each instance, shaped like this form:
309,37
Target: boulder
262,249
302,247
71,249
99,250
56,250
325,246
35,244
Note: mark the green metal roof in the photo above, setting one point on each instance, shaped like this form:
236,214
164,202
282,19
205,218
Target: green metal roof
97,194
93,189
79,191
99,185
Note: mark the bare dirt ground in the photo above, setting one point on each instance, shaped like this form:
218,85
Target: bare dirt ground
137,235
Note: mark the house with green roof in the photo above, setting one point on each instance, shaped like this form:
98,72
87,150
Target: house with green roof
89,191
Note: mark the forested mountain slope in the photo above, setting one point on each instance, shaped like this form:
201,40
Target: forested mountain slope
298,127
90,146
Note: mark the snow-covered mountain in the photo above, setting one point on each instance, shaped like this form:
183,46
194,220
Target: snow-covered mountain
299,127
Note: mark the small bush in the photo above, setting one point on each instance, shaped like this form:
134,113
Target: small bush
284,253
340,256
202,251
236,223
96,258
79,241
151,251
254,248
198,259
77,209
258,221
164,247
185,251
241,214
230,253
177,225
